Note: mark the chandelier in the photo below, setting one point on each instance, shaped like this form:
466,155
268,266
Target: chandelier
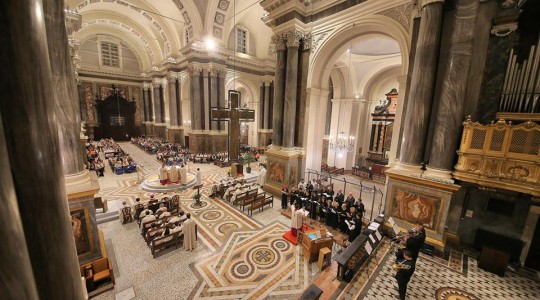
342,143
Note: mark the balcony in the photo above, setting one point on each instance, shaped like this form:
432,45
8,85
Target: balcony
500,155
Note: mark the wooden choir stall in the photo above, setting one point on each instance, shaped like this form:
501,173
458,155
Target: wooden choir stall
358,252
313,241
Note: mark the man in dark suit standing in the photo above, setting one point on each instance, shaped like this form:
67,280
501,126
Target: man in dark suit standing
416,241
404,273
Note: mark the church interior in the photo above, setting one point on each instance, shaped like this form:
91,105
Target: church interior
270,149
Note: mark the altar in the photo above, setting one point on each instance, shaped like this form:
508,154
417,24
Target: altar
151,184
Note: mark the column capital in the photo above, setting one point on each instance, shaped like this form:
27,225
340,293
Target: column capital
147,86
171,77
293,38
279,41
423,3
194,71
157,82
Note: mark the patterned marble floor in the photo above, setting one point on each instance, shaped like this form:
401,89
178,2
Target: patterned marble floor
232,246
431,275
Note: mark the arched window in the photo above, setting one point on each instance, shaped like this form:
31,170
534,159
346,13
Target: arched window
110,54
241,40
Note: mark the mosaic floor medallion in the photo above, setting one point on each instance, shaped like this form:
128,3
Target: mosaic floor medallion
254,265
448,293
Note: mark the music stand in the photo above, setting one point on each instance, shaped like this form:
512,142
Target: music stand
198,198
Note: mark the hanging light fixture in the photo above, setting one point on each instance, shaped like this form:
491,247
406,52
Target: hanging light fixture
343,143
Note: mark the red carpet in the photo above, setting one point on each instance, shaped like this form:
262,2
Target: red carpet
289,237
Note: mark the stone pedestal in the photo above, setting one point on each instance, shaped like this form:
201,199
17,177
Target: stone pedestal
411,200
265,137
159,130
81,189
283,168
208,142
175,135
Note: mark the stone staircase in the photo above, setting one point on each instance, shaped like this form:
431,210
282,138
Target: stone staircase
107,217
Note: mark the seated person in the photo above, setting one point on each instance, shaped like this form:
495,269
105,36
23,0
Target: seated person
177,228
164,214
144,212
153,232
167,233
162,208
148,218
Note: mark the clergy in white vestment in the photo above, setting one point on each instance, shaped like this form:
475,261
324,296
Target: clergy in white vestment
173,173
293,220
298,221
163,175
261,180
189,233
198,177
183,174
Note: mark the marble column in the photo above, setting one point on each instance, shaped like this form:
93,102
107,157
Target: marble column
454,82
171,86
416,121
161,103
206,99
279,91
261,106
65,87
221,94
291,88
150,102
178,101
157,103
303,68
214,94
145,104
196,100
16,272
27,82
266,109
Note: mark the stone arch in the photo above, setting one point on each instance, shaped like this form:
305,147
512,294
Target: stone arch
323,59
145,57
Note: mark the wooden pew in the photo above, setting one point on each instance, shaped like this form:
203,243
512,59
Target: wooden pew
245,196
163,242
260,202
250,198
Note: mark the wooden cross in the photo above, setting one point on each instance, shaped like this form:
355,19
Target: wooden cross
233,114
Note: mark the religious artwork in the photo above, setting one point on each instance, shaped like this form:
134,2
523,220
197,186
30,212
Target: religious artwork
81,230
415,207
292,175
324,158
276,172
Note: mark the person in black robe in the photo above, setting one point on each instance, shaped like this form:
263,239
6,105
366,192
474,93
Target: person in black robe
354,228
339,197
284,197
404,274
314,204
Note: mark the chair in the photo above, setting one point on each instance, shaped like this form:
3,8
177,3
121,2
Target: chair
138,208
102,270
175,201
126,212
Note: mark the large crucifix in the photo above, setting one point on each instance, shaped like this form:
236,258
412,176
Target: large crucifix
234,114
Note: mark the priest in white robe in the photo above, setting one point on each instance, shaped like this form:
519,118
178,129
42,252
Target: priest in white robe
189,230
183,174
163,178
298,221
173,173
261,180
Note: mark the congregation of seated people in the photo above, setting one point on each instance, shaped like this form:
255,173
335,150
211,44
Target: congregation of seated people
326,206
94,162
166,152
161,221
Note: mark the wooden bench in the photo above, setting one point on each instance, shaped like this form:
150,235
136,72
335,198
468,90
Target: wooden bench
260,202
97,271
335,170
253,197
164,242
245,196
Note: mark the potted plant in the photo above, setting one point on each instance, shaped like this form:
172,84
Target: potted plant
248,159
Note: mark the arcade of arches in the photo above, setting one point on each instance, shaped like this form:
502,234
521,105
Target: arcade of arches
425,111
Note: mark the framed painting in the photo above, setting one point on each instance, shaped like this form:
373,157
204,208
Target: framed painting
80,225
416,207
